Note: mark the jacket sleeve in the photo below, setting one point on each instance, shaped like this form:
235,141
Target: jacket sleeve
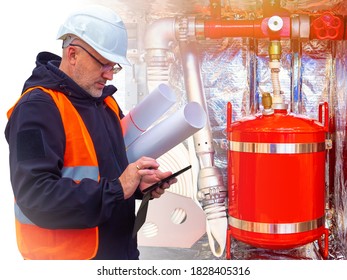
36,144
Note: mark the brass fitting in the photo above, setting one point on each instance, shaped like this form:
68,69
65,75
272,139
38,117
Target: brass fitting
275,50
266,100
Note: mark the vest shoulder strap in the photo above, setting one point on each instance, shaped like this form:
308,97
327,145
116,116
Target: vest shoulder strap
109,101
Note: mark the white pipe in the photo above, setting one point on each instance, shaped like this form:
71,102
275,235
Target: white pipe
212,192
144,114
195,92
275,69
160,34
168,133
210,179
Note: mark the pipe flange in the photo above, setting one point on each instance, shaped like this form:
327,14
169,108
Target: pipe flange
300,26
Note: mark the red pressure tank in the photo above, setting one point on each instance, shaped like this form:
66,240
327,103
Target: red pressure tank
276,180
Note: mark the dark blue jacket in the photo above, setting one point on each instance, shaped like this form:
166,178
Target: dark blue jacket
37,141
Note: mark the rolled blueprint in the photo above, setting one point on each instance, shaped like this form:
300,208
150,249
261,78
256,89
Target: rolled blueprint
168,133
144,114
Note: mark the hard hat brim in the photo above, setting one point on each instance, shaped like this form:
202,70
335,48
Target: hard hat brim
102,29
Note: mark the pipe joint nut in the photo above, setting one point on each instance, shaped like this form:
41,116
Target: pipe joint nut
212,195
185,28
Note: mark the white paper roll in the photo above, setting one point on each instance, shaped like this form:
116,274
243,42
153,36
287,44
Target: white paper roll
168,133
144,114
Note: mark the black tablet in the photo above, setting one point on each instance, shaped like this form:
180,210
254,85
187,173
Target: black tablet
162,181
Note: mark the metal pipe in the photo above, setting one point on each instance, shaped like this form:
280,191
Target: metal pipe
260,28
194,89
160,33
212,192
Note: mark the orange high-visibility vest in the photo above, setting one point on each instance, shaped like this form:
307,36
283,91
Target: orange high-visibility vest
80,162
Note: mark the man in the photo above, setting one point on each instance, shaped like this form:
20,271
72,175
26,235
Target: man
74,189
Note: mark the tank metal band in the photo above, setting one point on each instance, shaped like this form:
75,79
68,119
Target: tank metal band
276,148
276,228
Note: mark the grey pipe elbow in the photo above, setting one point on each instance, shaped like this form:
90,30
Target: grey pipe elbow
160,34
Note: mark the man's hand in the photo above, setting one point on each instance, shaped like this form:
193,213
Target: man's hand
158,175
130,179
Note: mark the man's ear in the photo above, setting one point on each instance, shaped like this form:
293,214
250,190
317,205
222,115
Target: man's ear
71,54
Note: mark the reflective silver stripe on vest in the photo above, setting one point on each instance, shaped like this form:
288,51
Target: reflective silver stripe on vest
75,173
80,172
276,148
276,228
20,216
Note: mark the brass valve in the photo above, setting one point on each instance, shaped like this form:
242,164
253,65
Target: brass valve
267,103
266,100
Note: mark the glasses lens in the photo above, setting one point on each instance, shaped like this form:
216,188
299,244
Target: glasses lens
117,68
106,68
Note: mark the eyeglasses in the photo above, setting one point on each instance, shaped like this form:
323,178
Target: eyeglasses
104,67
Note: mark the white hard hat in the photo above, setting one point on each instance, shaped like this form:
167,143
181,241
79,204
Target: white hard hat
101,28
